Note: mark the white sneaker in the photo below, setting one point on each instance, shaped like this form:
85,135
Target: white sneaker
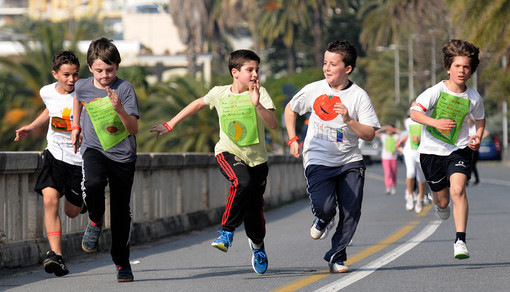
460,250
319,229
409,202
338,267
427,200
443,213
418,207
393,190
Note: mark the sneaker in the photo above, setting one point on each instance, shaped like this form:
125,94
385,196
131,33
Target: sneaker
427,200
409,202
443,213
388,191
460,250
224,241
319,229
259,260
418,207
54,263
91,237
338,267
124,274
393,190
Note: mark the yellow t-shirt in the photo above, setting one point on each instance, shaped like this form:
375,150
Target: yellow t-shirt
254,154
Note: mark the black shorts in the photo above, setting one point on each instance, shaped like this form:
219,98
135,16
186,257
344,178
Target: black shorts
64,177
438,169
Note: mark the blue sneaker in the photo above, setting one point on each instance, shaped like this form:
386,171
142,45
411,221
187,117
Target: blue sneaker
224,241
259,259
338,267
91,237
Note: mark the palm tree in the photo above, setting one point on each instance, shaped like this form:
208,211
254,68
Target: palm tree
282,19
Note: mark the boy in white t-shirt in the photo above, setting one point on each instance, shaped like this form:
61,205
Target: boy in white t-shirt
446,147
341,113
61,173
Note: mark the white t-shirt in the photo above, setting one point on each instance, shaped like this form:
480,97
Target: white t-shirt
60,107
329,141
426,103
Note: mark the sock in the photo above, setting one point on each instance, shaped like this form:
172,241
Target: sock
257,246
460,236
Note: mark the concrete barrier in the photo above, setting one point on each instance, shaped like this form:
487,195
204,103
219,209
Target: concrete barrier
172,194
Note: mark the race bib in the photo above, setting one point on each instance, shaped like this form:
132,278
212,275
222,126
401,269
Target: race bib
415,135
238,119
108,127
389,143
449,107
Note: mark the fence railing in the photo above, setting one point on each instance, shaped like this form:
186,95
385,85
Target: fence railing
172,193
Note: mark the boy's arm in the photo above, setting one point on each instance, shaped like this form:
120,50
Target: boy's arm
475,140
24,131
440,124
290,124
191,109
76,130
267,116
364,132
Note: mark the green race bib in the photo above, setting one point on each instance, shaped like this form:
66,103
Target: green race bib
106,122
449,107
415,135
238,119
389,143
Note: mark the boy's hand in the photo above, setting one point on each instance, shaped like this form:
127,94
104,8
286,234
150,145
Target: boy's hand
254,88
445,124
294,149
341,109
474,142
114,98
161,129
76,140
22,133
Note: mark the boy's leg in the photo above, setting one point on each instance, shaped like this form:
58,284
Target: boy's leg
460,201
321,188
237,172
52,221
95,179
121,182
349,194
72,190
254,222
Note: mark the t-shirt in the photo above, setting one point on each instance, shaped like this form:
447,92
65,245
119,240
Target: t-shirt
329,141
86,92
60,107
388,150
230,105
427,103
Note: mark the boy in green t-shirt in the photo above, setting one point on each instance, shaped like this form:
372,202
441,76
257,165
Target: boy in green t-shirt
243,107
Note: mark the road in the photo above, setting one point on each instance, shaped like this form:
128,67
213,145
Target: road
393,250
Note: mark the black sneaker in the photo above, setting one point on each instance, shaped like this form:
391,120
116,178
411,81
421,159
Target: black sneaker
91,237
124,274
54,263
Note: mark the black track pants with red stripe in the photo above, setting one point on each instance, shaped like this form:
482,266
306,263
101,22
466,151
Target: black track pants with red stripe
245,201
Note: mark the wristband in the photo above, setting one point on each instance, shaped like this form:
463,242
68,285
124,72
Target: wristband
167,127
295,138
76,128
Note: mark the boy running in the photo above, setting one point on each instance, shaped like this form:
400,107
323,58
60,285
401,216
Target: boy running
244,108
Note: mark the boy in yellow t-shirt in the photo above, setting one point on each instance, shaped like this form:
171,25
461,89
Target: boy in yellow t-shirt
243,107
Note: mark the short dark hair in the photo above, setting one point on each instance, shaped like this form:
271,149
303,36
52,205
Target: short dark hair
64,57
104,50
239,57
459,48
346,51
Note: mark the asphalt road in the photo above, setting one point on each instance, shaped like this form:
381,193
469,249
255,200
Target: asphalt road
393,250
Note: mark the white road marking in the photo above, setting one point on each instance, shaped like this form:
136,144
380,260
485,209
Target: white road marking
383,260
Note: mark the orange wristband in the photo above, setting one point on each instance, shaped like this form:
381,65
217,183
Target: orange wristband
76,128
295,138
167,127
